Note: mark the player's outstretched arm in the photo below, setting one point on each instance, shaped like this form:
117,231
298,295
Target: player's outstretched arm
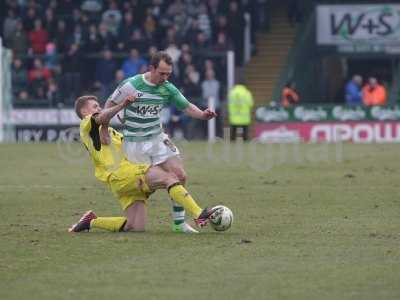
109,104
104,117
195,112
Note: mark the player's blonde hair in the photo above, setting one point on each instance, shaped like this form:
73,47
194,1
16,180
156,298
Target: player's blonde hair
81,103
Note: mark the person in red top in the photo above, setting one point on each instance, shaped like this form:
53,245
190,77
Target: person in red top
38,38
373,93
38,71
38,78
289,95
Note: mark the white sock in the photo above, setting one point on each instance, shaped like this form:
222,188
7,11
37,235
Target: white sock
178,213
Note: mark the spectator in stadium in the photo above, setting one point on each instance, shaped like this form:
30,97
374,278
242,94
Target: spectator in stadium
185,48
157,8
353,95
92,40
134,64
50,23
170,36
71,72
38,77
173,51
66,7
136,40
29,19
126,29
52,93
61,36
290,96
207,65
38,72
149,28
192,7
9,24
80,18
118,78
182,23
112,17
38,38
77,36
92,6
176,7
204,21
222,44
105,70
373,93
191,82
24,96
107,40
220,26
200,44
51,57
213,8
19,77
192,32
210,88
240,104
185,60
131,182
18,41
236,25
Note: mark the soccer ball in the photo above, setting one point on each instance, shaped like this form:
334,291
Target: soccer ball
222,218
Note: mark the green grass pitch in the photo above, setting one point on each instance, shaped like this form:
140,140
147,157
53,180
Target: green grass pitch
311,222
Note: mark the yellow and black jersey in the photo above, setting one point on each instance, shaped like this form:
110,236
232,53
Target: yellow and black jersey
106,158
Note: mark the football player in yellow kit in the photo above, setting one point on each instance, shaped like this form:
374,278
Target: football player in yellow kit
131,183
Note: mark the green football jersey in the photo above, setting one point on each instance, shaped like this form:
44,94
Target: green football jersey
142,117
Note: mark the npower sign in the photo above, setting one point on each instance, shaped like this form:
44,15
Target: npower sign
352,131
370,24
357,133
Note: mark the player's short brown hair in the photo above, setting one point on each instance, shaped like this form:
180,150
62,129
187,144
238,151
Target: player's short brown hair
160,56
81,102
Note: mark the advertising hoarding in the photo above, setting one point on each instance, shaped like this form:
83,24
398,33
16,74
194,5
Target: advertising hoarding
359,28
331,132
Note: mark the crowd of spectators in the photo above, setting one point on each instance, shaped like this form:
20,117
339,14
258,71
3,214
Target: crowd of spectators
370,93
63,48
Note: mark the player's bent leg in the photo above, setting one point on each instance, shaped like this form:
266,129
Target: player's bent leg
114,224
174,164
157,178
136,216
89,220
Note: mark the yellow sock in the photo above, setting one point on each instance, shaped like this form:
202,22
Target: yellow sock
180,195
108,223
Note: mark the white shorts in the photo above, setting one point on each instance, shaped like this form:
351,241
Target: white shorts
153,152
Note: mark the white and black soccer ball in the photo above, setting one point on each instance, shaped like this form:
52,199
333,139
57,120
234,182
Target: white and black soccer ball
221,219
